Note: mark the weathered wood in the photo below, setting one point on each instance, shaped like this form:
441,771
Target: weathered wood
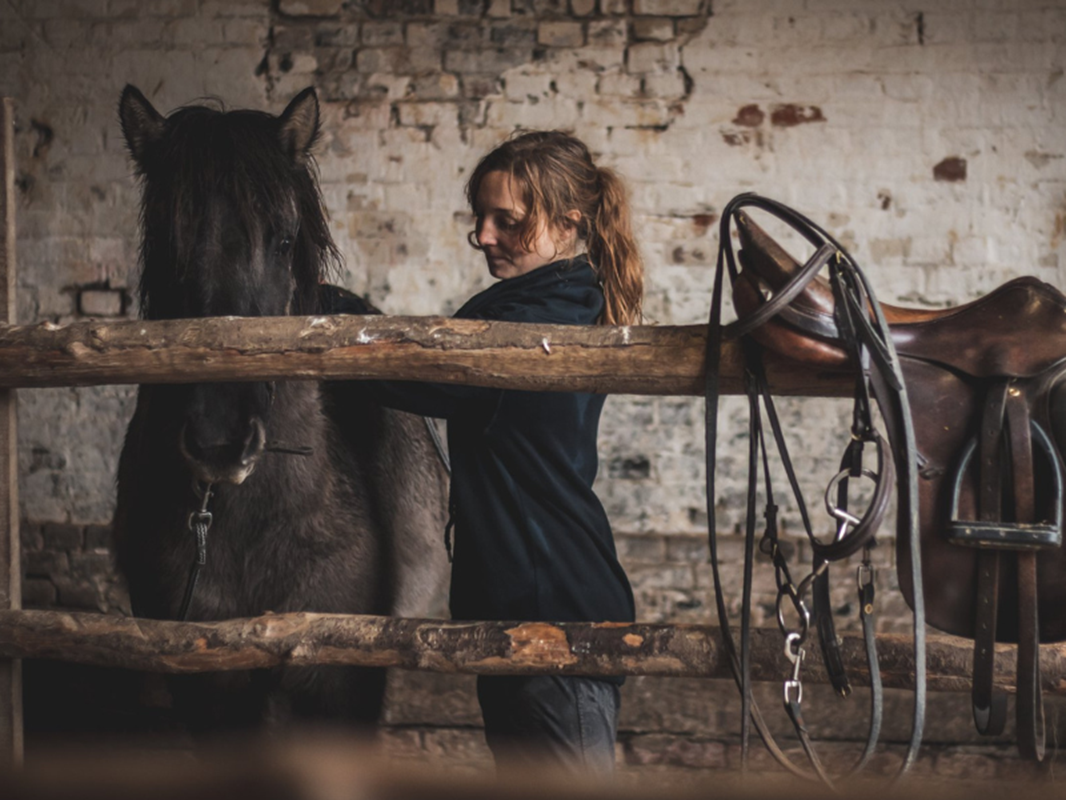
10,565
665,360
472,647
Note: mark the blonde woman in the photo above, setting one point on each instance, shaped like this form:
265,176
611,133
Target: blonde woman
531,539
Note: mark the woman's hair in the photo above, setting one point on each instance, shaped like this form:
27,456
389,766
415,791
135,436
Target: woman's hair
554,173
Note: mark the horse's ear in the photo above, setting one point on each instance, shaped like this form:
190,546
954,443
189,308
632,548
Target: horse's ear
141,123
298,125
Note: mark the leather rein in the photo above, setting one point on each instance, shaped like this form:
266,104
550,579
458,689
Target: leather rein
864,334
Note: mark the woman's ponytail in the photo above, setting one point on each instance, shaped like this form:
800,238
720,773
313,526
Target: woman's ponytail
615,254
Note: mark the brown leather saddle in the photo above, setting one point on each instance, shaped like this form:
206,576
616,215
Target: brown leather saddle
986,384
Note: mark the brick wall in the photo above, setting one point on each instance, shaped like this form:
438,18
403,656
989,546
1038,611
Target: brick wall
926,136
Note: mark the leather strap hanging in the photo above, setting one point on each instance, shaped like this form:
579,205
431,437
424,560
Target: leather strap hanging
878,380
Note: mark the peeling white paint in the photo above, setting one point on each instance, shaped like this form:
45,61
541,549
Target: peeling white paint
547,347
364,337
316,322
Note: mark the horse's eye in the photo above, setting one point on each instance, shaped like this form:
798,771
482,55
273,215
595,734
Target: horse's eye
284,246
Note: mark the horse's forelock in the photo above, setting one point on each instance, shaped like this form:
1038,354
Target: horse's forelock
205,152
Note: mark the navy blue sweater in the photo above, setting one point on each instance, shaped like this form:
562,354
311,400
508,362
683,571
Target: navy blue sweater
531,539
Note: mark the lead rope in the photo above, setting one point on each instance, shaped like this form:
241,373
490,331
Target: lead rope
199,524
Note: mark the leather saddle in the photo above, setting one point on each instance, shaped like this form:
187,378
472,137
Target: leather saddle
986,383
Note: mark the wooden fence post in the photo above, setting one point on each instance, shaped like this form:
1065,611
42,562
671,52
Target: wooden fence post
10,563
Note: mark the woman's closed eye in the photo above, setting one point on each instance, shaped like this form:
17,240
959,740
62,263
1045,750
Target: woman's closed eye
501,222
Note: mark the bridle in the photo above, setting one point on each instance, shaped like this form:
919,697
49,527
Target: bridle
864,334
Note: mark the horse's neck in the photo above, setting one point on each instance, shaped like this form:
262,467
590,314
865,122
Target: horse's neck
296,416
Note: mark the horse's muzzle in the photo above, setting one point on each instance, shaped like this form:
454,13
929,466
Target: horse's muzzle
223,461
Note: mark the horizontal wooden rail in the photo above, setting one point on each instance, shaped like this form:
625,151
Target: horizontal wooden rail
473,647
666,360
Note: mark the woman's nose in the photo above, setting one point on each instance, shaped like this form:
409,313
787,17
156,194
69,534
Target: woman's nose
486,234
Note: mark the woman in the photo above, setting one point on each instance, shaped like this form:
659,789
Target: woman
531,539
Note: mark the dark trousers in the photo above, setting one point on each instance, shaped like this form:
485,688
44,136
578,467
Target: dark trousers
550,719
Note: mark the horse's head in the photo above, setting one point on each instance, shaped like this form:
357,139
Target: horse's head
233,225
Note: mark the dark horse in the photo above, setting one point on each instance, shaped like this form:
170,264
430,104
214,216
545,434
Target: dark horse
318,504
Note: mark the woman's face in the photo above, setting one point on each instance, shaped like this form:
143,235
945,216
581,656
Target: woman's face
500,212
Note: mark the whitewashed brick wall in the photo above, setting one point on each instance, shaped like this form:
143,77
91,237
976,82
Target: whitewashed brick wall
930,137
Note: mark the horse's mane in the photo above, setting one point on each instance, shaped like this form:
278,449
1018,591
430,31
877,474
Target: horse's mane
207,150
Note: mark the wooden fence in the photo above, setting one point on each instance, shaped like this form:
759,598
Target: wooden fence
637,360
10,561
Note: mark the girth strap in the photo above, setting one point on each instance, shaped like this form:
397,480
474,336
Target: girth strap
1030,700
989,707
1006,445
1030,703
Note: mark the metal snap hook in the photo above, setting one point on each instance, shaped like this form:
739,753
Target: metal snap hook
796,656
